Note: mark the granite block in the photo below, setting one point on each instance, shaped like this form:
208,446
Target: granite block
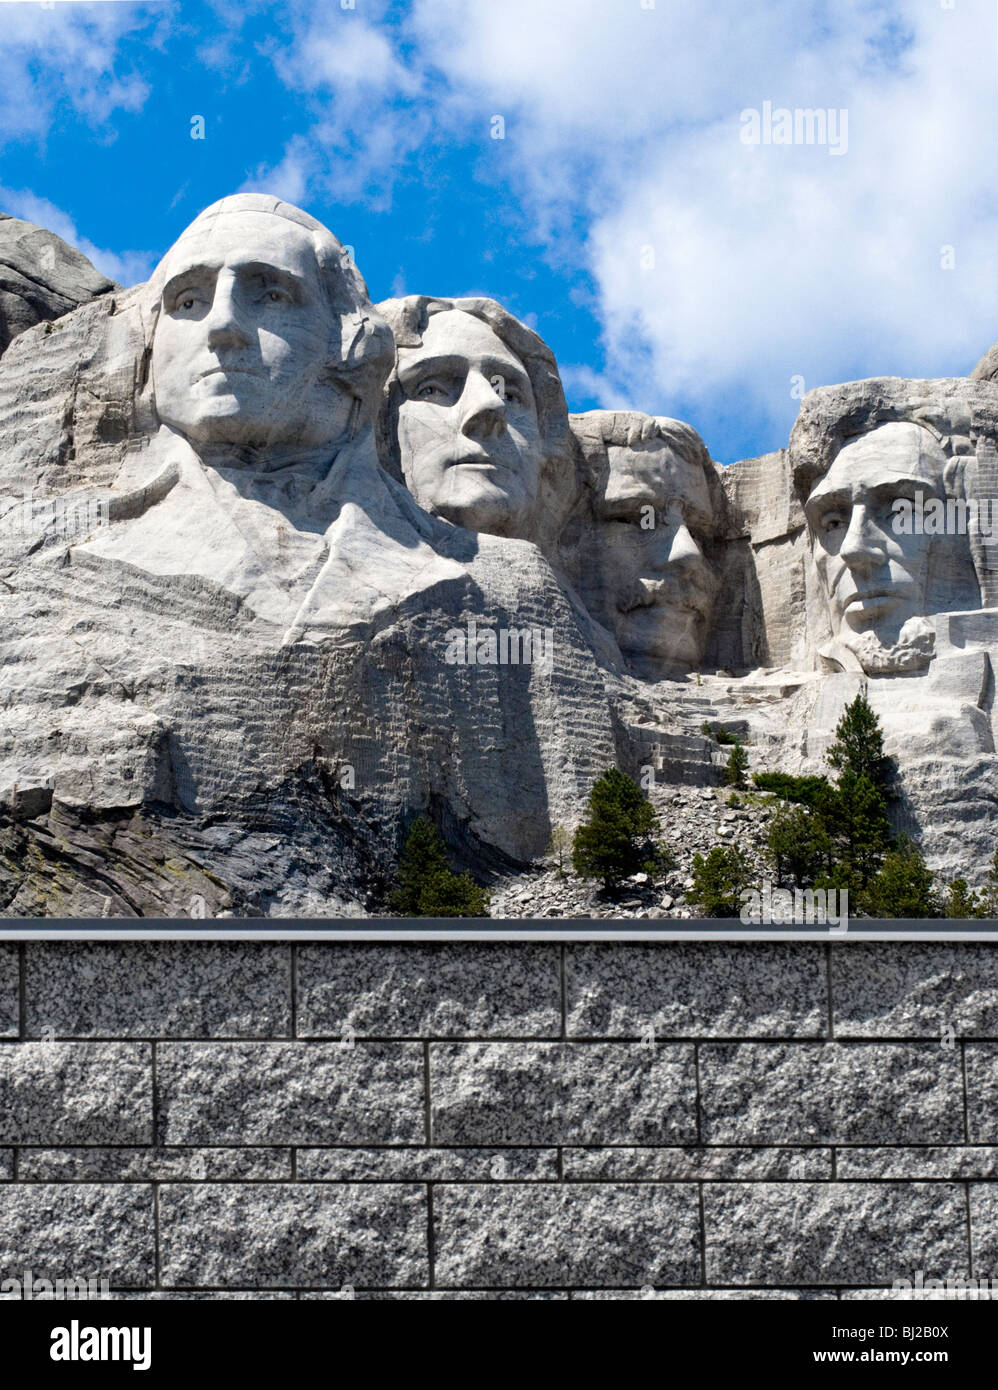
202,1295
293,1235
75,1093
439,1295
693,990
158,989
291,1093
914,990
153,1165
824,1093
957,1162
65,1231
9,994
832,1233
981,1061
983,1203
697,1164
562,1093
537,1235
710,1295
446,990
426,1165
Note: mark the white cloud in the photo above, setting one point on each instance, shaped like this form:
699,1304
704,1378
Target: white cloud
342,52
66,55
290,178
769,261
364,100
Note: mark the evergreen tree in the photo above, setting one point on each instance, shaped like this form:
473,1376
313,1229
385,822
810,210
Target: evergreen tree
719,880
426,886
798,844
859,745
715,732
615,840
903,886
806,791
737,767
962,901
856,819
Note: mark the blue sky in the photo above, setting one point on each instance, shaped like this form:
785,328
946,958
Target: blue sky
671,266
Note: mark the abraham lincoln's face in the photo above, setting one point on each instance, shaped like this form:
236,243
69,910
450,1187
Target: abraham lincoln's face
875,577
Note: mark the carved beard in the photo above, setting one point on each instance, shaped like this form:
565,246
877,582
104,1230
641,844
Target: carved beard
913,650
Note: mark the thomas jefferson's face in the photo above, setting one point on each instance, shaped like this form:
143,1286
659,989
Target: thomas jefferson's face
241,348
469,437
655,516
874,578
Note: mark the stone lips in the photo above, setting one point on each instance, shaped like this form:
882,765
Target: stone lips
229,692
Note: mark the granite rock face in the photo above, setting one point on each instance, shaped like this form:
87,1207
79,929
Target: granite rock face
41,277
280,570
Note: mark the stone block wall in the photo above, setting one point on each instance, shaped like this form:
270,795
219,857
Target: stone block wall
589,1121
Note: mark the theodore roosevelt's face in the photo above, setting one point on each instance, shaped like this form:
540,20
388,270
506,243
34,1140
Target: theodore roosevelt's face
241,348
874,576
468,432
655,518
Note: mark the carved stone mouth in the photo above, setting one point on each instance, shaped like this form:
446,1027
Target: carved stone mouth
482,466
229,371
869,597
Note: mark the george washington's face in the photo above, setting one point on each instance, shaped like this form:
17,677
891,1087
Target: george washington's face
241,348
469,437
655,519
874,577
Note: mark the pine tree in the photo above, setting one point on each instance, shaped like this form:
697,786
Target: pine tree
615,840
856,819
426,886
903,886
859,744
799,844
737,767
719,880
806,791
962,901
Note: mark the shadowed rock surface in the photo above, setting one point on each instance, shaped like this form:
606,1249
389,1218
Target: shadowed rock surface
41,277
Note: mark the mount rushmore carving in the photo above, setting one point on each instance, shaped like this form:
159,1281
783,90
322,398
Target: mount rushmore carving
280,569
